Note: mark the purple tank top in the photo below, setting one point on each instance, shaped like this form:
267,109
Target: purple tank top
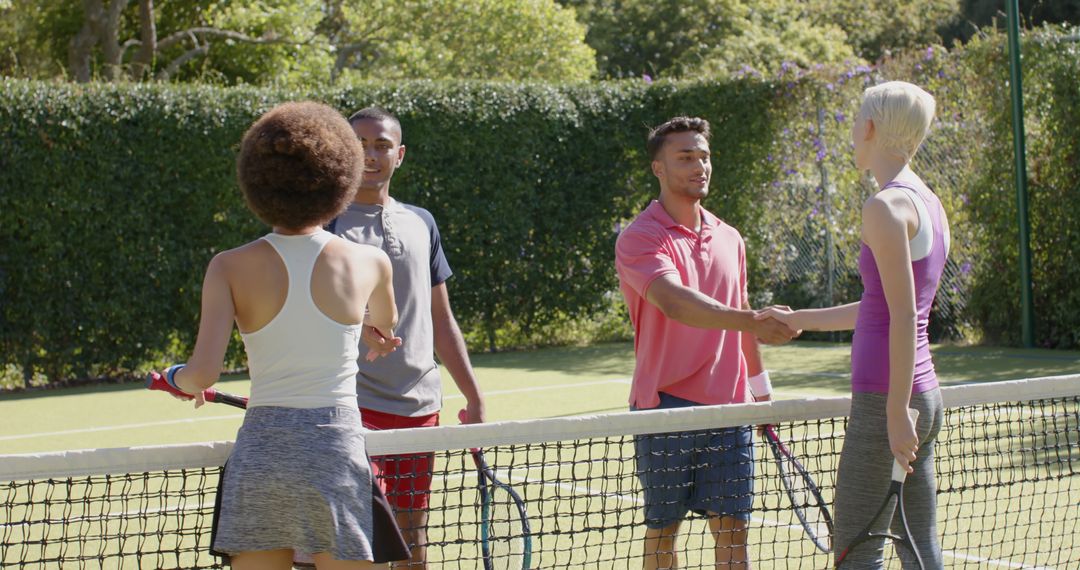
870,346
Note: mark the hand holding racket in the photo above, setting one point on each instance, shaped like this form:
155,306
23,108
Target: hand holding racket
896,489
155,381
806,499
505,538
379,343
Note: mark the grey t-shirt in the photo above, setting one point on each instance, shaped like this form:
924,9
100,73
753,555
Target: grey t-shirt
405,382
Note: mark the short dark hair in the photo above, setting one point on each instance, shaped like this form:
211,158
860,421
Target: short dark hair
659,134
376,113
299,165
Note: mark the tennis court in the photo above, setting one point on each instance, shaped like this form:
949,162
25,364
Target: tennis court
1009,475
518,385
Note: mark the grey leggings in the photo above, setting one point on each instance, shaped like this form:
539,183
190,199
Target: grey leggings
863,480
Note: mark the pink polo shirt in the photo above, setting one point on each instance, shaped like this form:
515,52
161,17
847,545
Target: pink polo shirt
706,366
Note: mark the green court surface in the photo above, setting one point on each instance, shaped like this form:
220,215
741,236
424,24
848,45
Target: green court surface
519,385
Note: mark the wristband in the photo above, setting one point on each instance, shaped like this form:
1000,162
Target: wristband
170,376
760,385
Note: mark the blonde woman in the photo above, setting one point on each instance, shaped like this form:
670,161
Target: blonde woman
905,237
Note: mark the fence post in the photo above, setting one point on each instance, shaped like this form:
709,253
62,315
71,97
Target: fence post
1027,314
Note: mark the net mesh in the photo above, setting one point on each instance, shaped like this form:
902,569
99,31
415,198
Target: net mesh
1008,489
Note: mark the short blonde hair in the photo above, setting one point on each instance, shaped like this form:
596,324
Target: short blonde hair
902,114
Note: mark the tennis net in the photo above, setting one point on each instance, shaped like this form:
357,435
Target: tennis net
1008,468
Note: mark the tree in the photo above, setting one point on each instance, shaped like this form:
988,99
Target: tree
875,29
110,30
975,14
34,36
654,37
686,38
292,42
471,39
778,34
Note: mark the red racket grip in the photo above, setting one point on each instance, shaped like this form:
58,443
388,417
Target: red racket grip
156,381
212,395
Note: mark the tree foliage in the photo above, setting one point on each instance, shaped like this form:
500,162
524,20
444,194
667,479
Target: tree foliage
681,38
292,42
978,14
777,34
874,29
459,39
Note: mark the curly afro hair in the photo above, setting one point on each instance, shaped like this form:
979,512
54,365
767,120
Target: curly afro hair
300,165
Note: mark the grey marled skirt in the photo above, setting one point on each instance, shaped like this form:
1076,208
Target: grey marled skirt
299,478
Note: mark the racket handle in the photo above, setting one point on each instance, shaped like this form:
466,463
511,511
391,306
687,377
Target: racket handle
155,381
463,416
899,474
212,395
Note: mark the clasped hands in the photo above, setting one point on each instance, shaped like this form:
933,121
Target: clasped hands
772,325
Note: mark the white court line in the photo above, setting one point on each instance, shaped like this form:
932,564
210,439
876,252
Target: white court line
993,562
142,513
627,382
821,374
120,427
624,381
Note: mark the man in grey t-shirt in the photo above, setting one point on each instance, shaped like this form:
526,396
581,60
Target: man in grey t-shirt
403,389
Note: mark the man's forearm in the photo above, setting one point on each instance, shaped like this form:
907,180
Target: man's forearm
452,353
695,309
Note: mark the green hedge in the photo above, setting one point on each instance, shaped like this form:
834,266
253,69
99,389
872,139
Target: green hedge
114,198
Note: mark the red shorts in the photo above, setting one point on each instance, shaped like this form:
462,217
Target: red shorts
405,479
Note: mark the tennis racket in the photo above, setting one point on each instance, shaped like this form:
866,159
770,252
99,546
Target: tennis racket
896,490
806,499
155,381
505,538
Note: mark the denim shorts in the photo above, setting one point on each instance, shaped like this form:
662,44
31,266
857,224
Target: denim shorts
710,472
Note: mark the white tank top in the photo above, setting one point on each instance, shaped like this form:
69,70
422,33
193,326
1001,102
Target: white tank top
302,358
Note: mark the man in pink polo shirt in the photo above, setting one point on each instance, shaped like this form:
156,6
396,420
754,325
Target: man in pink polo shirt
683,273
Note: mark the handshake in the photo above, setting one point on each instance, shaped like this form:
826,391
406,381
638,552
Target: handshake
774,325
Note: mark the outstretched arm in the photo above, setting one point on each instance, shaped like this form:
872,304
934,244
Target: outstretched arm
839,318
450,348
693,308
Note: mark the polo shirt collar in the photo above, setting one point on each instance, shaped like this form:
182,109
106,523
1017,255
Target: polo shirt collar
657,212
390,206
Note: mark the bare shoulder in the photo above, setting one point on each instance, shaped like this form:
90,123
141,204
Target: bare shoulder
344,247
884,219
356,255
889,205
238,257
